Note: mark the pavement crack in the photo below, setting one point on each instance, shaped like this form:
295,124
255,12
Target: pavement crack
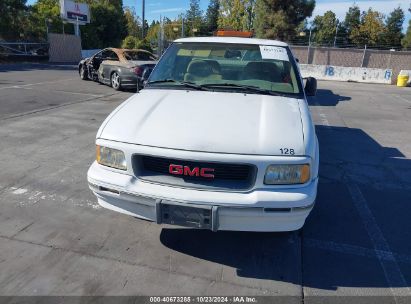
135,264
22,229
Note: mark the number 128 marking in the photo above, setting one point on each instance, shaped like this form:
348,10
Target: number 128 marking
287,151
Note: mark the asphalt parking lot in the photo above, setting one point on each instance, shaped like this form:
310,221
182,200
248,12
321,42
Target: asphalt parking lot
56,240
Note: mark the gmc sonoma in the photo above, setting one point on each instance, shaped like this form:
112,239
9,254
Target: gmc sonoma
221,138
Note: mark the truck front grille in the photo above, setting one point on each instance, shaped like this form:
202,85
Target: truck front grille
226,175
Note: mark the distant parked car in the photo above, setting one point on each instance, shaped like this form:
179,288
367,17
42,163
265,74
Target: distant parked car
119,68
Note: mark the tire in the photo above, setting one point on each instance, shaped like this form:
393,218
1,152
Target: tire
83,73
115,81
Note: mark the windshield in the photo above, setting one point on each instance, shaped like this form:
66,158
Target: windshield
225,66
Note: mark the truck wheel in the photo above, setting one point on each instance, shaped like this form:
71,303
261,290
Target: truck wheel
116,81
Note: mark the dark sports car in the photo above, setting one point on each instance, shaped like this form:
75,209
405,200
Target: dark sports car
119,68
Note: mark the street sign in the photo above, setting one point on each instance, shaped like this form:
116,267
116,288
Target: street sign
74,12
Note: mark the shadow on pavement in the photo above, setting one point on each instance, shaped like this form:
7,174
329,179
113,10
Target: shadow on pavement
326,98
336,249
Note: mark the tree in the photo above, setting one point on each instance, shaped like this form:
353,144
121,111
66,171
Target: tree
12,14
107,27
44,16
211,17
132,23
393,25
371,31
234,14
325,28
194,17
130,42
406,41
278,19
352,19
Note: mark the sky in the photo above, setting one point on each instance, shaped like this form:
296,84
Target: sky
172,8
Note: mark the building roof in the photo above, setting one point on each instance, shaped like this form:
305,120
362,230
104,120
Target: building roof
233,40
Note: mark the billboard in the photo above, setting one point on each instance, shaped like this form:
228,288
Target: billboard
74,12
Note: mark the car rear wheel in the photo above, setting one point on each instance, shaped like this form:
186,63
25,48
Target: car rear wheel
116,81
83,73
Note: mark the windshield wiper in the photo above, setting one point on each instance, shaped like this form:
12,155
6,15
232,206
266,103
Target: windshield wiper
244,87
187,84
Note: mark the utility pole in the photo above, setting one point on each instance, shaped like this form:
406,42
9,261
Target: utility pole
182,27
144,13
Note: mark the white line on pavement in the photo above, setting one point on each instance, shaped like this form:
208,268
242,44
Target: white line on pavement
324,119
78,93
33,84
357,250
388,261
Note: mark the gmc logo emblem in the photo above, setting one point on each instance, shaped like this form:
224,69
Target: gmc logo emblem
187,171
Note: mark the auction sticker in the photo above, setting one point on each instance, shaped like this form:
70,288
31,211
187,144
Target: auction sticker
273,52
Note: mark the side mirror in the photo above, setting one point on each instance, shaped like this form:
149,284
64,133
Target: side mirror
146,74
144,78
310,86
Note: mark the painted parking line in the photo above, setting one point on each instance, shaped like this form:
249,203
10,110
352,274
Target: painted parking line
382,251
388,261
323,117
357,250
33,84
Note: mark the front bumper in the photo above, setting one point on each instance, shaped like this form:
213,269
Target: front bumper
257,210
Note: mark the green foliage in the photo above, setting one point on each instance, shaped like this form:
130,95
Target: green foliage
234,14
12,14
144,45
172,30
406,41
130,42
194,18
325,27
211,17
352,19
132,23
371,30
393,25
278,19
107,27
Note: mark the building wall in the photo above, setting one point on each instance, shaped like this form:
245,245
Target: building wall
64,48
378,59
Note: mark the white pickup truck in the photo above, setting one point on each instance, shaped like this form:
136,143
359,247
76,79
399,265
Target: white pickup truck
221,138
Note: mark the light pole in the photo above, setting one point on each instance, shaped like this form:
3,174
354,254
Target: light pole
143,13
47,21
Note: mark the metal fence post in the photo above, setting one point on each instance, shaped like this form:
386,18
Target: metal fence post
363,56
309,47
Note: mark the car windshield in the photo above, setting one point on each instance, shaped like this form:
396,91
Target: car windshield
138,55
225,66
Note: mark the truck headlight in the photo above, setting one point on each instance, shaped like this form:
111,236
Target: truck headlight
111,157
287,174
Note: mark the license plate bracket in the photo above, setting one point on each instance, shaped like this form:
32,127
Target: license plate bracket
186,215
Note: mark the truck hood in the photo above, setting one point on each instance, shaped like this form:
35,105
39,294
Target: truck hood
204,121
